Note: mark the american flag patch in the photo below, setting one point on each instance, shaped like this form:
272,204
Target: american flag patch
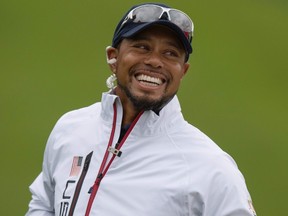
76,166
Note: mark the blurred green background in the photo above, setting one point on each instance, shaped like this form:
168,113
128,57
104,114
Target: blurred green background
52,60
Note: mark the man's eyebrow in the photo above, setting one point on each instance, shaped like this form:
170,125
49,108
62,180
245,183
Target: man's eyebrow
139,37
176,44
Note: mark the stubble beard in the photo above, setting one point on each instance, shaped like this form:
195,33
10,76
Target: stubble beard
144,102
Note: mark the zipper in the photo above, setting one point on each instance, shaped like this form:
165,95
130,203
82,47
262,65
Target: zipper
103,170
80,182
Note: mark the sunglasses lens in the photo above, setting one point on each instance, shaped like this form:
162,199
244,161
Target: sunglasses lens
146,13
181,20
151,13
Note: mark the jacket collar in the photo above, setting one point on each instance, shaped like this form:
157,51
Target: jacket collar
149,121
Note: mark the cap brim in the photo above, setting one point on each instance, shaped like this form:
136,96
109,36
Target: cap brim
140,27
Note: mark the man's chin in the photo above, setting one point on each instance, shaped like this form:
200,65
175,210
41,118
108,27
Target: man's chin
146,101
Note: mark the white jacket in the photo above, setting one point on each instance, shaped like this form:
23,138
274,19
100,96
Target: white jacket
167,168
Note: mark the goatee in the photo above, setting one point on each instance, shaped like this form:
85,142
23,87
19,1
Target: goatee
144,102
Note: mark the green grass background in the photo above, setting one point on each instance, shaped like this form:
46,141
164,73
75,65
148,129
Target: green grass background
52,60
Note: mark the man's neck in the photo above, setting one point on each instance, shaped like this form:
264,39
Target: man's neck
129,113
129,110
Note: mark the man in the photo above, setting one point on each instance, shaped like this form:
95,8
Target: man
133,153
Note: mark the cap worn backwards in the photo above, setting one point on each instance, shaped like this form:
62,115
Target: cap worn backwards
127,28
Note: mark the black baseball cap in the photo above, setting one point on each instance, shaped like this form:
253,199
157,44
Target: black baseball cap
126,29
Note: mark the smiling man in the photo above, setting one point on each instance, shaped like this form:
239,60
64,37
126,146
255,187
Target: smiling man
133,153
149,69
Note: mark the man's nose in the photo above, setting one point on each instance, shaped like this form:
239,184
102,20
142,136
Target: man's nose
154,59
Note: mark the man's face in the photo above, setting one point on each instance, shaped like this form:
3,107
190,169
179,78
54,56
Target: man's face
150,67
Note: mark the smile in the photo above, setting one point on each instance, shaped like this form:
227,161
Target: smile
148,80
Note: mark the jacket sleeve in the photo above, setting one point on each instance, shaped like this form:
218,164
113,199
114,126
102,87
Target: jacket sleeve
228,195
43,187
42,200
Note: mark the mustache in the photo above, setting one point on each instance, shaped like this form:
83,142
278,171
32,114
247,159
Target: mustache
150,71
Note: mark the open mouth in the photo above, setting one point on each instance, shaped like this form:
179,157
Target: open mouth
148,80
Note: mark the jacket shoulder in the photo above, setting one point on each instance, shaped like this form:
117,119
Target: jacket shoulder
79,115
72,120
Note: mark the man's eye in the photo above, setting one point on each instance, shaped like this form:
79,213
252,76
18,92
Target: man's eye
171,53
141,46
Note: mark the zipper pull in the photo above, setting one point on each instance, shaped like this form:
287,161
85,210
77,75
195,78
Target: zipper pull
96,183
115,151
90,190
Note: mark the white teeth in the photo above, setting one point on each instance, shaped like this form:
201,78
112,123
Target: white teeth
147,79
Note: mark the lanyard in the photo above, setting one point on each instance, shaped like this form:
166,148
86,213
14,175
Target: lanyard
116,152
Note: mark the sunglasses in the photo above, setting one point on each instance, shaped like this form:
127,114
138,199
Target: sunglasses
151,13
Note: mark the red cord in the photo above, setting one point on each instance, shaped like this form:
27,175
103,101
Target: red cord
102,172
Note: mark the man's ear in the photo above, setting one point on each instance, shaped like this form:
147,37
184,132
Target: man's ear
111,55
185,68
